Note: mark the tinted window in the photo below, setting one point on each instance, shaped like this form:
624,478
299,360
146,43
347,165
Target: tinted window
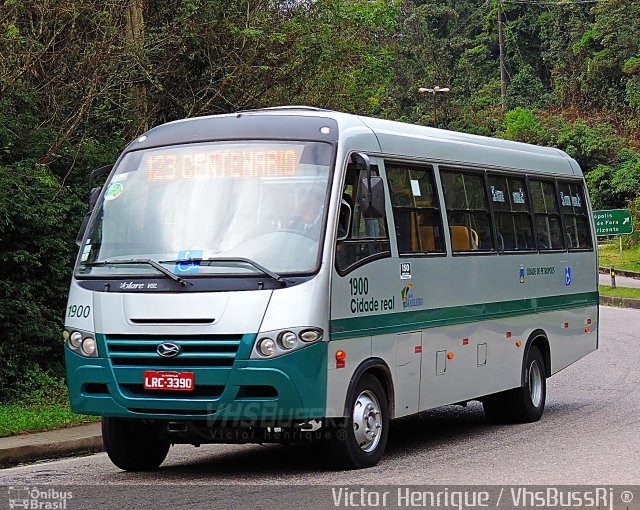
415,208
514,230
574,211
546,214
467,211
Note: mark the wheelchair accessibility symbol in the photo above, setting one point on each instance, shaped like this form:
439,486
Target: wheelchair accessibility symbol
567,276
188,267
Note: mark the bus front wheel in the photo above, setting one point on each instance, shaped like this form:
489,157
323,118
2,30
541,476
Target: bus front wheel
132,445
526,403
358,441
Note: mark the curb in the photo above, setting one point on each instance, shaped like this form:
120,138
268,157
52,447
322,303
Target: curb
620,272
50,445
620,301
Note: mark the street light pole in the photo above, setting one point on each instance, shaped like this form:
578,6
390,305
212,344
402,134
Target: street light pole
433,92
503,65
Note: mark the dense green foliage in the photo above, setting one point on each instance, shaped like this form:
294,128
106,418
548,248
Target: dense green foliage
79,79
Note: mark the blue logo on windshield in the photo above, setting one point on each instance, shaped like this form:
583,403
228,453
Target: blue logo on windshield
188,267
567,276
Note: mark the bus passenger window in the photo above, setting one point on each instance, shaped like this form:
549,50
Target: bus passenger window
547,215
511,210
574,211
416,211
367,237
467,211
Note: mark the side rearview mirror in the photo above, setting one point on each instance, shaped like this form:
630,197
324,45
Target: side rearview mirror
344,220
372,202
94,195
93,176
372,198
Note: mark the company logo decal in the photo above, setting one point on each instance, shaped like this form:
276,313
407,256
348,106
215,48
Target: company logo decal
113,191
408,299
168,350
137,286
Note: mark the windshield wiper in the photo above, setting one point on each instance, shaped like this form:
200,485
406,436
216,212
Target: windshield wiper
240,260
148,262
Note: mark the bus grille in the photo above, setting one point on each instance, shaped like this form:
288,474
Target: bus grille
195,350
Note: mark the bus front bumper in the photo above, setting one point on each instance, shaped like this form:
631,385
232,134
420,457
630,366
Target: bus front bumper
278,390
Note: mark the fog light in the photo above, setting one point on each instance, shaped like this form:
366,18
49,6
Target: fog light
65,335
288,340
267,347
89,346
75,339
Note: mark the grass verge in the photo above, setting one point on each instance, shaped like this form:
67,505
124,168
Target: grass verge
41,403
624,292
610,256
19,419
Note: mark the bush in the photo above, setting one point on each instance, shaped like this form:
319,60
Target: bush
590,146
38,222
522,125
37,387
634,239
613,186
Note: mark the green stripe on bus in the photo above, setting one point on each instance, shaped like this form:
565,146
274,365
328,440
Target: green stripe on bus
421,319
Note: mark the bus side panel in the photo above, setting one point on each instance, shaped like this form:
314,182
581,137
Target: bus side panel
405,368
401,352
466,361
362,305
572,334
338,379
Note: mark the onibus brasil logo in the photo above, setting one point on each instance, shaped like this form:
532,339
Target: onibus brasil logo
408,301
43,499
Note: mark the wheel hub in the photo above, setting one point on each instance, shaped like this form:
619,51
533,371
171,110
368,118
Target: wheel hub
535,383
367,421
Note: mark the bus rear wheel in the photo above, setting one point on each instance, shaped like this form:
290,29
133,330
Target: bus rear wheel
526,403
359,440
132,445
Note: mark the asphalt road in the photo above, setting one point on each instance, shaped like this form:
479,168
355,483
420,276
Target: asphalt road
589,434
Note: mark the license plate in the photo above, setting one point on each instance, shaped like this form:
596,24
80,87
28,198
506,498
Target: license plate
171,381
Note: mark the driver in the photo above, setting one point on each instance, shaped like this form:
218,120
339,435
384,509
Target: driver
308,219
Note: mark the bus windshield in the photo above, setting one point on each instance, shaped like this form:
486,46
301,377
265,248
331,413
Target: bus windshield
262,201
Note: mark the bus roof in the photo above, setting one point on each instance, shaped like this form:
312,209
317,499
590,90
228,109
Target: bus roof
393,138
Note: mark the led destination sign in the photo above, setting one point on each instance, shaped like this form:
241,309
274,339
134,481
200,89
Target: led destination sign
222,164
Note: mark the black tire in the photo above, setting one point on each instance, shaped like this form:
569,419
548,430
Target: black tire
495,408
344,448
526,403
132,445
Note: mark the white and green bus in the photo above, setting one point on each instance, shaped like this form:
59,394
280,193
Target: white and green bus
295,273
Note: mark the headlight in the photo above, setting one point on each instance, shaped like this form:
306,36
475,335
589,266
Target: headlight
89,346
75,339
288,340
274,343
310,335
81,342
267,347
